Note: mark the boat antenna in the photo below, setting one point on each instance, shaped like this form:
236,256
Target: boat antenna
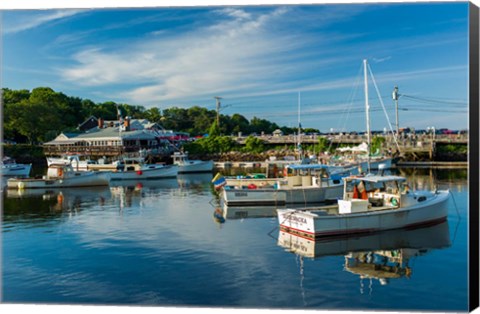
367,110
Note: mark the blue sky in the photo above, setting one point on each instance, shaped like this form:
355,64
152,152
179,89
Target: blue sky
260,59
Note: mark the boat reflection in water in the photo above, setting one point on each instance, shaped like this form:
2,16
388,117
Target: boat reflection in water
234,212
242,212
69,199
381,256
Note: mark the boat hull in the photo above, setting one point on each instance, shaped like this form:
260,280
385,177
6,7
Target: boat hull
314,225
271,196
257,182
195,167
20,170
163,172
84,180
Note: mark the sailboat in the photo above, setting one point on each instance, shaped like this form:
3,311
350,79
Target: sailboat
370,203
361,155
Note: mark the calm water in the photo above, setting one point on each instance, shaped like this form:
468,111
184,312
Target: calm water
157,243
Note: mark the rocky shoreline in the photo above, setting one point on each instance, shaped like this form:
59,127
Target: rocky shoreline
34,155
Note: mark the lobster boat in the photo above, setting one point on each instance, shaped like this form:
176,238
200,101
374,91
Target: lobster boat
304,184
137,169
186,165
61,176
10,168
370,203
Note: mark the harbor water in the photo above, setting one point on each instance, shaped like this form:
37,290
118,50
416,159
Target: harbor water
159,243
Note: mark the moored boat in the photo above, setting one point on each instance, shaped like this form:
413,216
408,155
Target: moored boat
10,168
136,169
305,184
185,165
78,163
61,176
370,204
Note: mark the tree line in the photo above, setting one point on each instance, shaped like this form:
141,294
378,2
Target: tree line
41,114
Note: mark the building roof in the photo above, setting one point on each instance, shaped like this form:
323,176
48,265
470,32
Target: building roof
116,133
105,134
91,119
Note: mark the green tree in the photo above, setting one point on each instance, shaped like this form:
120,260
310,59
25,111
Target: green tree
240,124
377,143
34,120
323,144
153,115
258,125
254,145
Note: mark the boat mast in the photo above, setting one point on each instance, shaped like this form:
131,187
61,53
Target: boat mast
299,144
367,110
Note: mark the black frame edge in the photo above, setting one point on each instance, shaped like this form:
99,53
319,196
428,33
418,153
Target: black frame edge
474,157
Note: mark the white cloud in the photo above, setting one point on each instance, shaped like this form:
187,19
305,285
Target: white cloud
200,62
28,21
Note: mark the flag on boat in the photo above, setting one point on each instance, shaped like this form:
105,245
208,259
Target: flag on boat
219,181
216,177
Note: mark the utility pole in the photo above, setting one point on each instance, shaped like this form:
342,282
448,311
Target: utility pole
395,98
218,104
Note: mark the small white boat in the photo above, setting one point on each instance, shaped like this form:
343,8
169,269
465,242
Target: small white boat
10,168
186,165
61,176
304,184
370,203
76,161
136,169
361,161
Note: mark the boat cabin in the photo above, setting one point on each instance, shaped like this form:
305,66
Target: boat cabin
180,158
363,193
60,171
310,175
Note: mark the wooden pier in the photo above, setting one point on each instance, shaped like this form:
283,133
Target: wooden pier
412,147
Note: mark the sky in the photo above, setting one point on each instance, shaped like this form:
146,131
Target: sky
284,63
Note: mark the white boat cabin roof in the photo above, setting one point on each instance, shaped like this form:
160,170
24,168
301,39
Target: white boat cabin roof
307,166
375,178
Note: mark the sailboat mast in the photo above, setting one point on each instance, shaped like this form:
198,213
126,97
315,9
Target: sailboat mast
367,111
299,129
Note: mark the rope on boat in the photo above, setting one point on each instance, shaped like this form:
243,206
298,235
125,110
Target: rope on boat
456,208
459,218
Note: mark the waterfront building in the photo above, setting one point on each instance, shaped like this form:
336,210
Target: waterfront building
115,138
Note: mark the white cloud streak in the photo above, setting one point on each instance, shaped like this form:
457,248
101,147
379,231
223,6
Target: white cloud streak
239,52
30,21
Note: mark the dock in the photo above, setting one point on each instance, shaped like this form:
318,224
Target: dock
433,164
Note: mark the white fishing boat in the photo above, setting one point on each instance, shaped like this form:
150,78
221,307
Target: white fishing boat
375,203
185,165
61,176
304,184
10,168
78,162
137,169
